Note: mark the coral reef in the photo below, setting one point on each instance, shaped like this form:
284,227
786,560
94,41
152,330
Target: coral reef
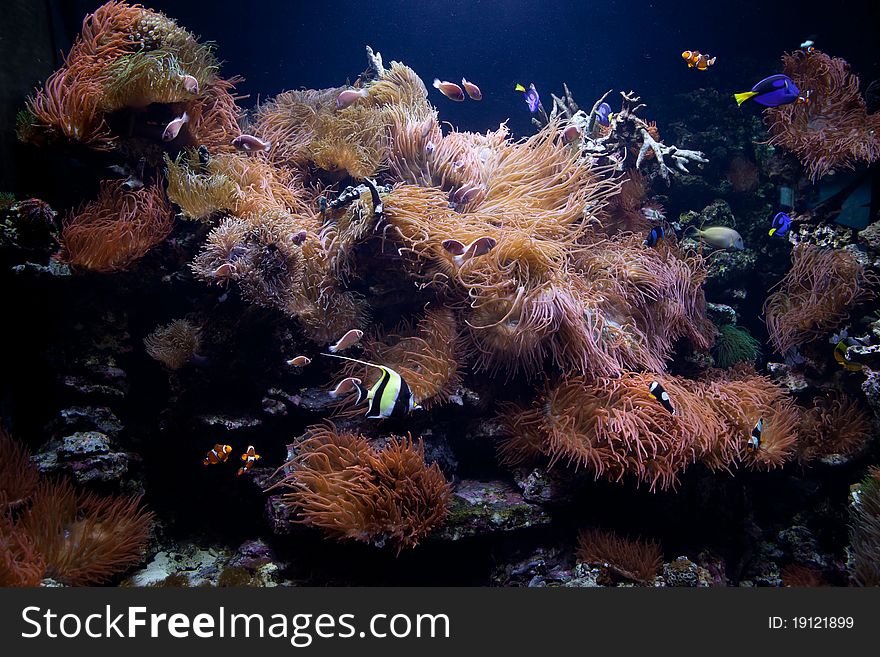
537,293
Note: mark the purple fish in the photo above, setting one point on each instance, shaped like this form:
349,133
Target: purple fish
774,91
603,114
533,100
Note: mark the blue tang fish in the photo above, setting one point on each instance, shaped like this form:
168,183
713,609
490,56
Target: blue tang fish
603,114
774,91
781,224
531,95
657,233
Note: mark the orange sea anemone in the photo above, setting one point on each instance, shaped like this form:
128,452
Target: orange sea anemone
117,229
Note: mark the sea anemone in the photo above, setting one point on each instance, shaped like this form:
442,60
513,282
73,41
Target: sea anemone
637,561
339,483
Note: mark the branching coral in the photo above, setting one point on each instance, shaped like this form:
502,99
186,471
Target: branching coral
84,538
637,561
815,296
733,345
833,130
865,531
627,136
836,424
117,229
339,483
175,344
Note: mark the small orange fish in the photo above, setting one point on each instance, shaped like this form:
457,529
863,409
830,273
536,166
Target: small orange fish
472,90
173,128
299,361
696,59
249,457
449,89
350,339
218,454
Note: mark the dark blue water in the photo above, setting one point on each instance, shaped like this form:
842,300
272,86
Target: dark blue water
593,46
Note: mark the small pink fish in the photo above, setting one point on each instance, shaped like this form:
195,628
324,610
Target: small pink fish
461,253
449,89
344,386
466,194
351,338
173,128
472,90
299,361
189,83
571,133
430,147
349,96
224,270
250,144
299,237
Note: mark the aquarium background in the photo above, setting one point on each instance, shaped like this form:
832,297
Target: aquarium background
739,527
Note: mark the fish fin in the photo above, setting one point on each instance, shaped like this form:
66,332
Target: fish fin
355,360
519,87
436,83
743,97
772,230
362,394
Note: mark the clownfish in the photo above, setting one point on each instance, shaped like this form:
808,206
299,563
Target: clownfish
389,397
218,454
249,457
656,391
696,59
755,439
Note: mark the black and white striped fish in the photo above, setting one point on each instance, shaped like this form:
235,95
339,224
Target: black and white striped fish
389,397
659,393
755,439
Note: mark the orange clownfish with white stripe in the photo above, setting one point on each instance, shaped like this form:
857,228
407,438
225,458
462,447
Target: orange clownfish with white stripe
249,457
218,454
696,59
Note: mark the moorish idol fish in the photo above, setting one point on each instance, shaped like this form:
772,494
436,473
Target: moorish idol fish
249,457
218,454
755,439
389,397
657,392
